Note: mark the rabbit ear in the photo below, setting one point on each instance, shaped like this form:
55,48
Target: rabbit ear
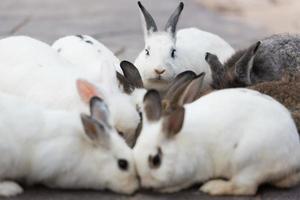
172,123
176,88
132,74
172,22
150,25
99,110
95,131
127,87
152,105
244,65
192,91
87,90
218,71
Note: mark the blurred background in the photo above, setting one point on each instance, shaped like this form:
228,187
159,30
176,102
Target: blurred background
117,24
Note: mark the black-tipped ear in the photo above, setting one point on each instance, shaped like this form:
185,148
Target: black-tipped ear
172,123
243,66
132,74
192,91
173,20
95,131
152,105
149,21
127,88
99,111
176,88
218,71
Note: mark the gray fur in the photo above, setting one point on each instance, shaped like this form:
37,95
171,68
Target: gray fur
172,22
275,55
150,23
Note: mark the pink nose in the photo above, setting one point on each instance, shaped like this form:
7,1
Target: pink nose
159,72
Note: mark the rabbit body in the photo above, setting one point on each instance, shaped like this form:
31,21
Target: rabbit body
236,134
276,54
49,147
34,70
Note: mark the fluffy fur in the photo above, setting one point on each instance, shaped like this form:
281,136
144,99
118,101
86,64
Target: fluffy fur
235,134
175,52
286,91
33,69
265,60
51,148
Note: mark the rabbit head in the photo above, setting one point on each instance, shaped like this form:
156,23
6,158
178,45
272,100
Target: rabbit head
236,72
107,155
124,114
161,157
156,61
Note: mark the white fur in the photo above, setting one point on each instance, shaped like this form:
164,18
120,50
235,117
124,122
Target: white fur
87,56
191,45
90,58
237,134
50,147
33,69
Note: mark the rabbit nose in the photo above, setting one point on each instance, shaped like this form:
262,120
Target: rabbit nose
159,72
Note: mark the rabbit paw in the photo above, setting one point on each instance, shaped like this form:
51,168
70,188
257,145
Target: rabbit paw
10,188
223,187
217,187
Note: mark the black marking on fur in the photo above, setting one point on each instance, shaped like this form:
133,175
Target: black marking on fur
59,50
80,36
89,41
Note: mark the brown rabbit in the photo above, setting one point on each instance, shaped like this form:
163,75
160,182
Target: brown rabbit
286,91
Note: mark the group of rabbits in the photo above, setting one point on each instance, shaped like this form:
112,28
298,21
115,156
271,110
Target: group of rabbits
190,110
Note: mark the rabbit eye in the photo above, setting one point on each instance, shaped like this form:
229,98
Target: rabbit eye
147,52
121,133
123,164
155,161
173,53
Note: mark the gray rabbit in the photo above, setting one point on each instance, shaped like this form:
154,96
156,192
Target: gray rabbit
265,60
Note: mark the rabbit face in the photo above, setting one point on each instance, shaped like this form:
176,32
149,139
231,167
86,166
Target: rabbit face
120,171
162,162
156,62
107,156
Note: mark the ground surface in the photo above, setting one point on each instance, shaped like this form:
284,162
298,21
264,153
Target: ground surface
117,25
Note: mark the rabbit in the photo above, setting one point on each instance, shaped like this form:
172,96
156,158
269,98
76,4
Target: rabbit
168,53
286,91
86,52
266,60
227,140
34,70
59,149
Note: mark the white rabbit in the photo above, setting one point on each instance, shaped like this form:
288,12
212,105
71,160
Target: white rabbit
168,53
231,140
54,148
87,53
33,69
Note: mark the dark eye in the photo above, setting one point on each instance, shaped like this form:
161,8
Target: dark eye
147,52
155,161
123,164
121,133
173,53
